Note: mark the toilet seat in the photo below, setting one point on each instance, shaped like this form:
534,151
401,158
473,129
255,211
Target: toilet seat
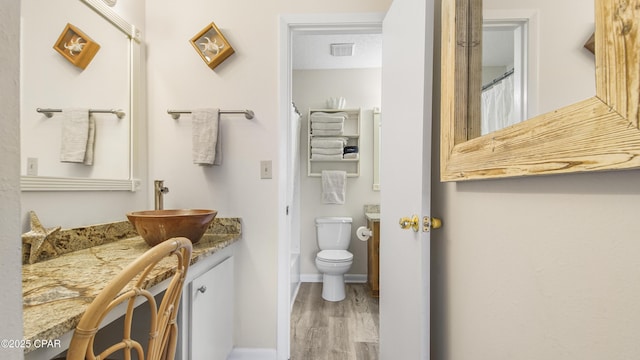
335,256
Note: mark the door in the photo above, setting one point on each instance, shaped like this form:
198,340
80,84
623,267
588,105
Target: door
405,171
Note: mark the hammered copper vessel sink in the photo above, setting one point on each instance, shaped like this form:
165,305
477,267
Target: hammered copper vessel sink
156,226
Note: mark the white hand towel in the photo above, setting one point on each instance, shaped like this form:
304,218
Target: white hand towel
206,137
327,132
327,126
334,185
326,157
329,117
327,151
75,135
329,142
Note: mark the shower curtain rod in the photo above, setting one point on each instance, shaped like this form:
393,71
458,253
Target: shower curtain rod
295,108
497,80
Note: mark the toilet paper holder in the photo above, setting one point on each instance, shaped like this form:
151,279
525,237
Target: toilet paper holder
364,233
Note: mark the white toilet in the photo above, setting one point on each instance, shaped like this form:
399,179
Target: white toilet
333,260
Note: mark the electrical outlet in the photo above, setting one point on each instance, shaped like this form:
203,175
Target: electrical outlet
265,169
32,166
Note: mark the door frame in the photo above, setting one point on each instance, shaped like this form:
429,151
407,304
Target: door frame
290,23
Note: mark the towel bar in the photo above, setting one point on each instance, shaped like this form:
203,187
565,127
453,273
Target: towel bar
49,112
175,114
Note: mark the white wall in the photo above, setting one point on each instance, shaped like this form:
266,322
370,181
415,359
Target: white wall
10,246
178,78
537,267
362,89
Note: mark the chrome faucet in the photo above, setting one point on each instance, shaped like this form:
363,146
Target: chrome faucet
160,190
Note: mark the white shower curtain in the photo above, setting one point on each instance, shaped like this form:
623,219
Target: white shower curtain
497,106
293,202
293,196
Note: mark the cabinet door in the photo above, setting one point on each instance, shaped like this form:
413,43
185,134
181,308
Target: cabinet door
211,331
373,257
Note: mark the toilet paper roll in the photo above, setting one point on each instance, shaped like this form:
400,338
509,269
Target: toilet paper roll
363,233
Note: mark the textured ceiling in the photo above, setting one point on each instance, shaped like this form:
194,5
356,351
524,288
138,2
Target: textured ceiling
312,51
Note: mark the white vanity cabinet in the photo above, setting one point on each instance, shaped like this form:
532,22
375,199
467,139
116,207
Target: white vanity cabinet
207,312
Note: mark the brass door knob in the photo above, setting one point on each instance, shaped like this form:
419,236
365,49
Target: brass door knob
412,222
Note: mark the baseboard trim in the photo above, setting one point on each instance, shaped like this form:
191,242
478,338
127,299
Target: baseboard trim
348,278
252,354
355,278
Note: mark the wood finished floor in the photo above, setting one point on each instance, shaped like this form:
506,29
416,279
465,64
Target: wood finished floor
325,330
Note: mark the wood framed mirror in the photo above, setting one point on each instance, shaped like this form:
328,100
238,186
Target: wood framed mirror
599,133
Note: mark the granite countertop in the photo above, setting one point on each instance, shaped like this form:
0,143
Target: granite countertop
56,292
372,216
372,212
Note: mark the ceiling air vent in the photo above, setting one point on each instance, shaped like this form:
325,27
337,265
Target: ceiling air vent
342,49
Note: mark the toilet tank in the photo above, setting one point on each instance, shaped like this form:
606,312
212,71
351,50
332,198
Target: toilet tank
333,233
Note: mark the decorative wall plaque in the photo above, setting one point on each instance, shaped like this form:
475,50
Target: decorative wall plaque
76,46
212,46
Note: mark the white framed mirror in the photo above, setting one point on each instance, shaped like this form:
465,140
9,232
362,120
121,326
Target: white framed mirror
48,80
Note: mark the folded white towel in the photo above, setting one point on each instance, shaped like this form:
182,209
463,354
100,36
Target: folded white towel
334,186
327,132
78,136
323,114
206,137
327,151
326,157
328,117
327,126
329,142
351,156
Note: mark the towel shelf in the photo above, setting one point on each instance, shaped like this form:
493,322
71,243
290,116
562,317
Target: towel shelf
351,132
175,114
49,112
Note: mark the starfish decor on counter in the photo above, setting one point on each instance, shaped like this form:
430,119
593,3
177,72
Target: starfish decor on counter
38,237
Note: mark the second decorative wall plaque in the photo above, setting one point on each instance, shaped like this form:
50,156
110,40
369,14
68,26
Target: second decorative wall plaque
76,46
212,46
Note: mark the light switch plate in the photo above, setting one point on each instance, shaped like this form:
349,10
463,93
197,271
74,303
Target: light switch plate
265,169
32,166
